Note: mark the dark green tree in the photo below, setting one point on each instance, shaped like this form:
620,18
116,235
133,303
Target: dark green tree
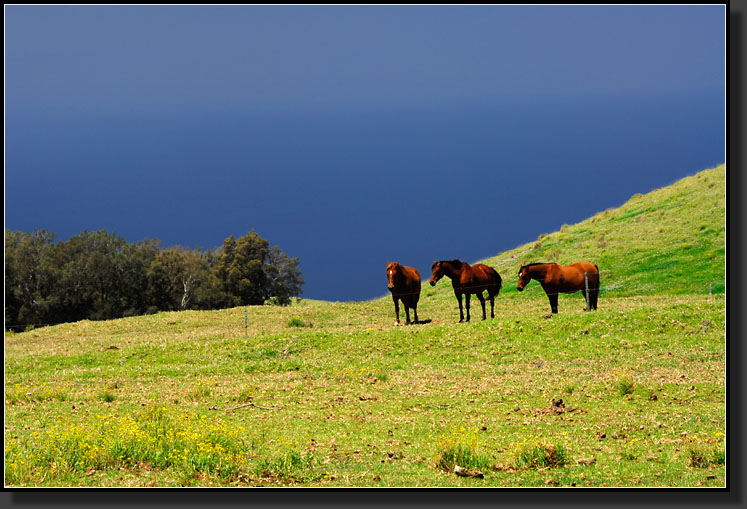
283,277
30,279
174,276
252,273
241,267
97,275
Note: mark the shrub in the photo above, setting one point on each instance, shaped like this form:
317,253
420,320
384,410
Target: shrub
625,386
246,395
624,383
460,447
704,452
106,396
297,322
539,454
202,389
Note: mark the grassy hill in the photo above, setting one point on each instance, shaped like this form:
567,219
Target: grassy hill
331,394
669,241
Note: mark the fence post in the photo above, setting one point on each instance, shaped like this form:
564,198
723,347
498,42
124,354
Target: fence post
710,288
246,321
586,283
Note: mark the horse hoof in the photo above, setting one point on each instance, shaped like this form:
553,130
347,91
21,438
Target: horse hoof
396,324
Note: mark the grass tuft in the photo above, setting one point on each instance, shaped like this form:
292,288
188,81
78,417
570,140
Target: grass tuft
537,453
460,447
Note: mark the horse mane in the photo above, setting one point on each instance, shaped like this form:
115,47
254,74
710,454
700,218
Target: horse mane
457,264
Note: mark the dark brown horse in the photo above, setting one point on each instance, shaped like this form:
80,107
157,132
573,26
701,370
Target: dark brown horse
556,279
467,280
404,283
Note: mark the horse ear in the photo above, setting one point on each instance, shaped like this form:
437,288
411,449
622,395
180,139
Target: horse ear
387,263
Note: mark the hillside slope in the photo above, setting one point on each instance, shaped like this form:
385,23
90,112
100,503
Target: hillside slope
669,241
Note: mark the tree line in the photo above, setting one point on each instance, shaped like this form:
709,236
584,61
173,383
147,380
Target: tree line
97,275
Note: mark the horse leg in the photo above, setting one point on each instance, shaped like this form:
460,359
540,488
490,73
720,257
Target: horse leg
396,310
594,295
461,313
482,303
492,306
553,302
407,312
587,299
466,302
415,310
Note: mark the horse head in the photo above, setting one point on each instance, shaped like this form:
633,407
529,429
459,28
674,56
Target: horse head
392,269
437,272
524,278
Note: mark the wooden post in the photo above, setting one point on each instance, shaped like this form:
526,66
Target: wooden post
246,321
710,288
586,283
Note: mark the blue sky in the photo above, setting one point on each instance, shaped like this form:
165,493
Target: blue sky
353,135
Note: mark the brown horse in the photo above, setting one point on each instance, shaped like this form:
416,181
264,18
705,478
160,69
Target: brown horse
467,280
404,283
556,279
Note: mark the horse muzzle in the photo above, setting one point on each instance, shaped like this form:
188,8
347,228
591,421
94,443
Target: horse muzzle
520,288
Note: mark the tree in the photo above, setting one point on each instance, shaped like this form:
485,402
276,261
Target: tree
283,277
251,272
241,268
174,275
163,279
97,275
100,278
30,277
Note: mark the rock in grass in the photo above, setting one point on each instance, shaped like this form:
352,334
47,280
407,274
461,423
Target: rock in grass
463,472
587,462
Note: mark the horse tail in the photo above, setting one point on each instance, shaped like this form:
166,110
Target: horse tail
500,282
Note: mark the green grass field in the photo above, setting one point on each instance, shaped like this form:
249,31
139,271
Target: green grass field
332,394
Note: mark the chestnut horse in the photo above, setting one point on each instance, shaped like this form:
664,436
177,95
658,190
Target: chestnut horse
404,283
556,279
467,280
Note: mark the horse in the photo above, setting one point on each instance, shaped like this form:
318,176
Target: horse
467,280
404,283
556,279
